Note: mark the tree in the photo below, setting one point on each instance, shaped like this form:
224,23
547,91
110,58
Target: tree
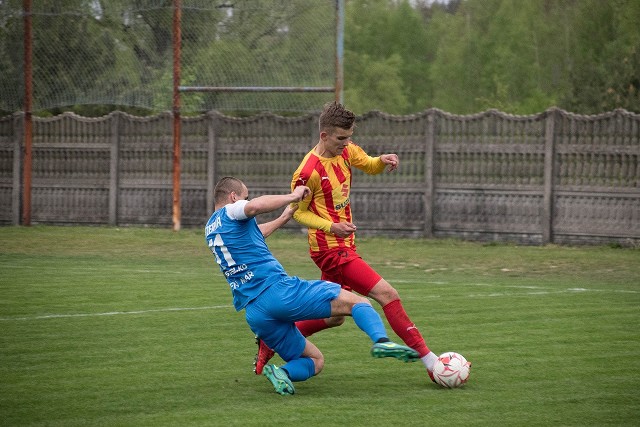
606,59
386,57
496,54
383,88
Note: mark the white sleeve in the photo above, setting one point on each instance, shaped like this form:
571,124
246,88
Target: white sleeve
236,210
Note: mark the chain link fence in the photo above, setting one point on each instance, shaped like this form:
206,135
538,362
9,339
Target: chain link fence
119,53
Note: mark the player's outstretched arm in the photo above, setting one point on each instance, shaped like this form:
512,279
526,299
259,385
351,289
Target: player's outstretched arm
271,202
269,227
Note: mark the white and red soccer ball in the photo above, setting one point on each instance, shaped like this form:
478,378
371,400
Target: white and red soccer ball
451,370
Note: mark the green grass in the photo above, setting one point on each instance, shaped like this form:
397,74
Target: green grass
134,327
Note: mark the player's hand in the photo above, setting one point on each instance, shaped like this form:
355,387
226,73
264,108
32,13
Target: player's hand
391,160
343,229
288,211
300,192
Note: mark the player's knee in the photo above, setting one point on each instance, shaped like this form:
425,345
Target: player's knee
343,304
361,300
332,322
384,293
318,363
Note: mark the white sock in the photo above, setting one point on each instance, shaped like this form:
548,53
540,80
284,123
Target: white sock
429,360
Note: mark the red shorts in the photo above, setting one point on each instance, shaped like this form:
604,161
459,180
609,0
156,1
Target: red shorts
345,267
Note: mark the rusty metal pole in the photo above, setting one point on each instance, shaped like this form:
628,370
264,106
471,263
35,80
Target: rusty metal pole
177,37
28,124
339,86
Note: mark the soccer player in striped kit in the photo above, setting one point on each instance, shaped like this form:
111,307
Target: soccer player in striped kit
326,170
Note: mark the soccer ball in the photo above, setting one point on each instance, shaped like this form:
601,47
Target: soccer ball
451,370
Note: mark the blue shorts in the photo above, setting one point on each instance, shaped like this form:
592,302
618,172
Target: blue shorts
273,314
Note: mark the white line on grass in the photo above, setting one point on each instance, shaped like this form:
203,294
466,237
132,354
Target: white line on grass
93,270
533,291
114,313
520,287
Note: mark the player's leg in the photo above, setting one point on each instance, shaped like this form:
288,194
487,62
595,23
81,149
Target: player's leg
329,263
263,356
366,281
264,316
306,327
312,352
304,366
311,326
364,316
369,321
321,299
303,359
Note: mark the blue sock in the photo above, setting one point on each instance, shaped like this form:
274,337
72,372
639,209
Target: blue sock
368,319
300,369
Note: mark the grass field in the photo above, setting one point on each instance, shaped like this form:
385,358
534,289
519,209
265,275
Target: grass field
134,327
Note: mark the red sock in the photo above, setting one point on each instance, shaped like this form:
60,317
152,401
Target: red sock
310,327
404,327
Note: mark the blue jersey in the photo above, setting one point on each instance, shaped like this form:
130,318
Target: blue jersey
242,253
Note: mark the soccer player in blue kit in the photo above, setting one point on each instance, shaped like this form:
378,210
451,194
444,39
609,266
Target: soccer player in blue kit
273,301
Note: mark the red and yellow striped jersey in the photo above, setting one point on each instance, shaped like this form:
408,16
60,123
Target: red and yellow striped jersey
330,182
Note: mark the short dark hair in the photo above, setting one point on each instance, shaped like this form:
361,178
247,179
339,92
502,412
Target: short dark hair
335,115
225,186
